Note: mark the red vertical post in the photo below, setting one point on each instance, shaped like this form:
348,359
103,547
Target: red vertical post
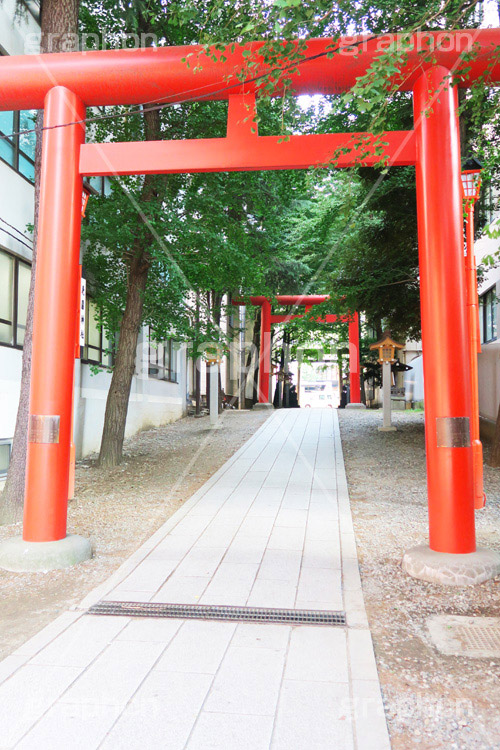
445,329
265,352
72,447
474,348
55,315
354,374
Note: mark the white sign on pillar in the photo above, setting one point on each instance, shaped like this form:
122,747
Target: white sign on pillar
83,290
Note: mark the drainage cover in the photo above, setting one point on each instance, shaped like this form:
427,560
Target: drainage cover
456,635
220,612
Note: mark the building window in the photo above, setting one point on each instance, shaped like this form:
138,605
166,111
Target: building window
18,151
488,316
162,360
5,448
98,185
15,276
98,349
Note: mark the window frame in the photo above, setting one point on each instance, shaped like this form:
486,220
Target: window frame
484,305
15,299
103,351
169,371
15,142
6,441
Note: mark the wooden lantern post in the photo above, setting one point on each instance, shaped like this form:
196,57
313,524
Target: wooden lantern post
386,357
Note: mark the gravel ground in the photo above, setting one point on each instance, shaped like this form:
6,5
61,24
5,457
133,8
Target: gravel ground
431,700
118,509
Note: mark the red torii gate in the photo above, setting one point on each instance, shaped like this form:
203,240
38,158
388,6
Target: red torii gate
267,318
65,84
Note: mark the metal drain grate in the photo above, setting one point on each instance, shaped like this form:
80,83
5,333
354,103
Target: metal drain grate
482,638
220,612
458,635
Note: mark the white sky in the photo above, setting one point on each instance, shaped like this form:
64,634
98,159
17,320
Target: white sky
490,13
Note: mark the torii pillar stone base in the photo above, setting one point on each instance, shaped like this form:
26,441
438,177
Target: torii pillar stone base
451,569
30,557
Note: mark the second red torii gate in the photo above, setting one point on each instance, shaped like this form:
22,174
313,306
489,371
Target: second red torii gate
307,301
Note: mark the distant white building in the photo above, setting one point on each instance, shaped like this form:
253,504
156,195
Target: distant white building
159,387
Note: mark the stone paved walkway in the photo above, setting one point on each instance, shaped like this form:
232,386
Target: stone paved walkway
271,528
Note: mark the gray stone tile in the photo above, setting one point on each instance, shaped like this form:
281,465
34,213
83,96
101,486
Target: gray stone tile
246,549
261,636
272,593
317,654
123,595
323,530
151,630
321,554
321,584
231,584
284,537
248,682
173,547
292,517
149,575
296,500
116,674
313,715
369,716
219,731
182,589
201,561
257,526
45,636
79,645
281,565
161,714
27,695
190,526
9,665
198,647
361,655
79,727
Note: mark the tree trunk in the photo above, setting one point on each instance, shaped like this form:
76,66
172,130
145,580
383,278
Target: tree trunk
253,348
494,459
256,342
115,417
59,25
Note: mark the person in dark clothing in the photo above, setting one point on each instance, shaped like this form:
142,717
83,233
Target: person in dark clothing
293,400
343,397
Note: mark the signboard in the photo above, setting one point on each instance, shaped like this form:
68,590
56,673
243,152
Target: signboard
83,289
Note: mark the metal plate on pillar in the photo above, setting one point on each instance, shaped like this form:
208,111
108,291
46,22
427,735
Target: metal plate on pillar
453,432
43,428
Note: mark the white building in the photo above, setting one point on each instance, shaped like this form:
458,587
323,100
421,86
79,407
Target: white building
489,358
158,393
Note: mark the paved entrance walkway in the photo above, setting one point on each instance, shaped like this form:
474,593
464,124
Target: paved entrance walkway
271,528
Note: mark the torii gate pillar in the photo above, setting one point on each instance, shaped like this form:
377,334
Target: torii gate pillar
264,401
45,545
354,365
451,557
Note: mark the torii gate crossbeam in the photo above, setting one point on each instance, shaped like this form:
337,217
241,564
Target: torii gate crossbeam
65,84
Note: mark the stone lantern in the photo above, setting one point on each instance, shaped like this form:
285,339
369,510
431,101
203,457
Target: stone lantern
386,347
